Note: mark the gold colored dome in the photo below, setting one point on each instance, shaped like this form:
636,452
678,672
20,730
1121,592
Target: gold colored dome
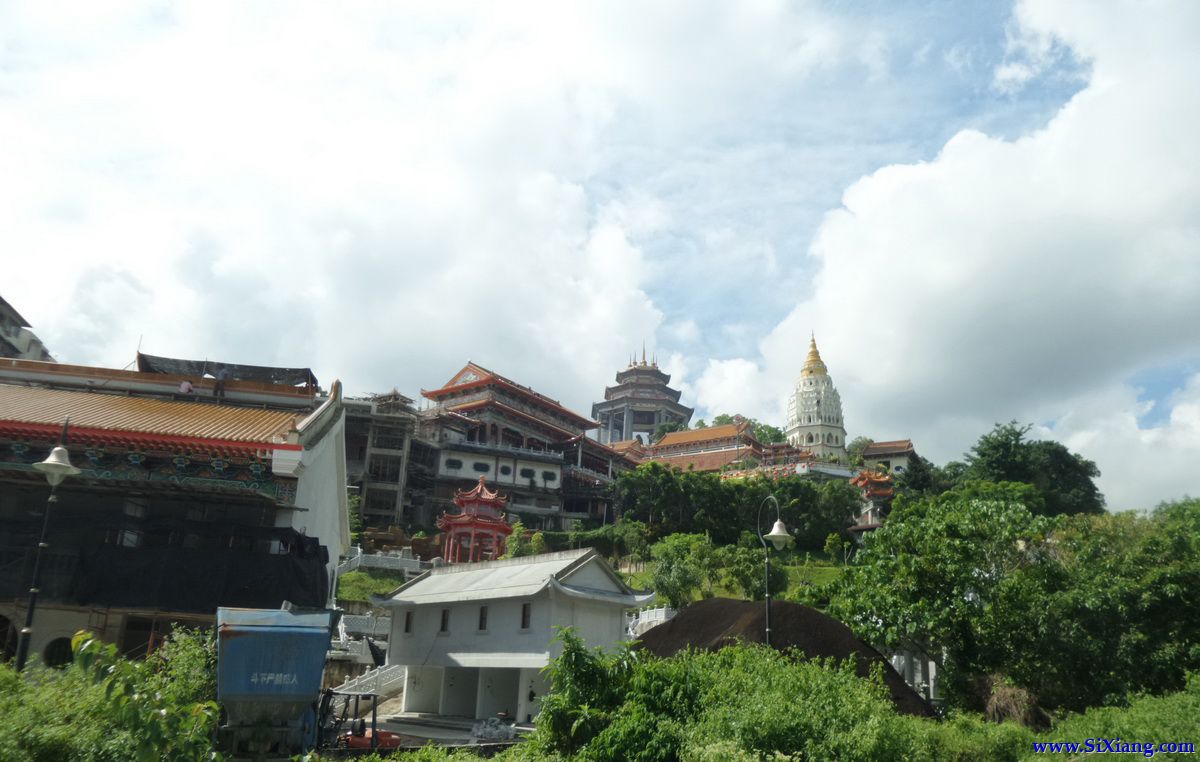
813,365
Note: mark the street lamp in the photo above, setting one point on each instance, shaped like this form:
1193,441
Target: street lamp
779,537
57,466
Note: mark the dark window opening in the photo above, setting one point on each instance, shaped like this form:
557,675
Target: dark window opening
58,653
482,468
408,619
527,473
453,463
549,476
506,470
526,615
482,618
445,621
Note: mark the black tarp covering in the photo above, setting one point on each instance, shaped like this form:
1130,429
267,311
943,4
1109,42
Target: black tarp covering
198,368
183,579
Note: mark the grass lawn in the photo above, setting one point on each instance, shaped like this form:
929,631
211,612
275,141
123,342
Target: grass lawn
359,585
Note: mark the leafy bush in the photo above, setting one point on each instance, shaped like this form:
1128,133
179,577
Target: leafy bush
103,707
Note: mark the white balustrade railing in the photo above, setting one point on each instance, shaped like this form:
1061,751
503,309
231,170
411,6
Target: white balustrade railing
638,622
366,624
382,681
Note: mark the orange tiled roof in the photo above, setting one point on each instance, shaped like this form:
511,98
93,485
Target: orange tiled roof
888,448
704,461
143,415
724,431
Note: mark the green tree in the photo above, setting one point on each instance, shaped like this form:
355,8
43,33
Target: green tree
742,569
685,565
700,424
1064,479
1078,610
517,544
854,450
354,515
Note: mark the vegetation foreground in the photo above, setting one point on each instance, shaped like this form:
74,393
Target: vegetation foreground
741,703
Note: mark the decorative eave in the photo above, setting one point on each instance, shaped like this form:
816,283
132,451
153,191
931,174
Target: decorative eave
629,600
519,414
480,494
144,442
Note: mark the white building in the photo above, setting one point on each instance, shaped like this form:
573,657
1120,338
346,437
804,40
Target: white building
815,410
475,637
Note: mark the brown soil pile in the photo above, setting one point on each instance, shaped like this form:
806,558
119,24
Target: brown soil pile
712,624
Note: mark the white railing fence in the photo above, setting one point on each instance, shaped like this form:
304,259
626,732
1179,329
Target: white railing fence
637,622
383,681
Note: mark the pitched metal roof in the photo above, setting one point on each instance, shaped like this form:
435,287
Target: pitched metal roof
507,578
111,412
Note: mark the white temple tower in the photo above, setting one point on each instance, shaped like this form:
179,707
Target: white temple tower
815,410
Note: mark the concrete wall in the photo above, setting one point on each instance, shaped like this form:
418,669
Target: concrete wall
427,645
460,686
532,683
422,689
321,491
498,692
497,463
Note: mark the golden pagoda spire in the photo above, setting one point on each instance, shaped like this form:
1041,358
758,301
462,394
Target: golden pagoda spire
813,365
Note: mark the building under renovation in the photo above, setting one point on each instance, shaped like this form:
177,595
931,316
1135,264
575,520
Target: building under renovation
200,485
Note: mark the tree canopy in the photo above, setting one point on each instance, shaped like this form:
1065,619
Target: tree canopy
1079,610
1062,478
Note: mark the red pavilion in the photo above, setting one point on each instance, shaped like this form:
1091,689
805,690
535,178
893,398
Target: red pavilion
479,532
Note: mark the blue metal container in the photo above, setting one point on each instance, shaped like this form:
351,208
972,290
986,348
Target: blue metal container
269,669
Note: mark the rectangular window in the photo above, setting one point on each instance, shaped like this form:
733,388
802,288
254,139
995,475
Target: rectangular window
385,468
445,620
526,615
482,618
408,616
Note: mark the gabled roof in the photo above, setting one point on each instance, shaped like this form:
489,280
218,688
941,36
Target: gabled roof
510,578
474,376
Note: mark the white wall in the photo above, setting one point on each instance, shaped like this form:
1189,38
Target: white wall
498,692
50,624
322,492
422,689
427,645
532,681
495,464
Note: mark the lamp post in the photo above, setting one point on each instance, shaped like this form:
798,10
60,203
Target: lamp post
57,466
779,537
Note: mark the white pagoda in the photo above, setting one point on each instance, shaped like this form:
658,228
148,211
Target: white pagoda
815,410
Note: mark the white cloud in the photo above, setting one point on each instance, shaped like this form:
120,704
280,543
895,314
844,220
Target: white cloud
382,191
1026,278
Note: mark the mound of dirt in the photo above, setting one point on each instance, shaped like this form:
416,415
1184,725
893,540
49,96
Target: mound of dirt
712,624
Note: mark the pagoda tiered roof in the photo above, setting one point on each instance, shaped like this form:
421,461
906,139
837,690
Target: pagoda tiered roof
480,494
874,484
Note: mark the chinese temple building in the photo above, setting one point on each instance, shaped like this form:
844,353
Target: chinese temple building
877,492
639,404
480,530
185,501
485,425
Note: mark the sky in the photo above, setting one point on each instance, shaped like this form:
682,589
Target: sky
984,212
